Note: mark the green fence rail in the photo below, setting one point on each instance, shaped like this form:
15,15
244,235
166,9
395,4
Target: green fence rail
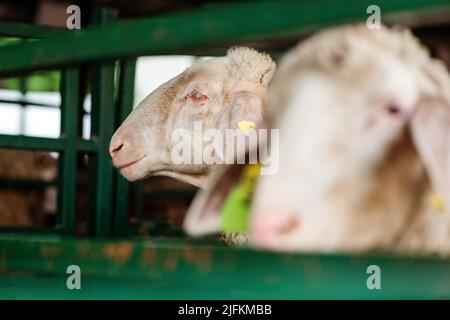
37,143
23,30
159,269
183,31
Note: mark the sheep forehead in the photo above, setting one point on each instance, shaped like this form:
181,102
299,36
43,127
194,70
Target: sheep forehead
210,70
222,75
368,50
164,95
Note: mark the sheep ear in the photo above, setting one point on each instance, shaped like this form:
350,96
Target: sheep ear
203,216
431,133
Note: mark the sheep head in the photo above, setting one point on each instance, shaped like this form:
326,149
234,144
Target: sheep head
366,128
218,93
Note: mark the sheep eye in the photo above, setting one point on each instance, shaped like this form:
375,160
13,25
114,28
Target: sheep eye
198,97
394,110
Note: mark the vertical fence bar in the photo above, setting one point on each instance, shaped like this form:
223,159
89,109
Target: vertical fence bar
102,128
83,90
125,105
67,174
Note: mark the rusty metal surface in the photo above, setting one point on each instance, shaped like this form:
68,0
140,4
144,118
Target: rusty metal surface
32,267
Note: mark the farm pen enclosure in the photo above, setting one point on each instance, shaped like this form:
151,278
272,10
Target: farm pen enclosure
115,259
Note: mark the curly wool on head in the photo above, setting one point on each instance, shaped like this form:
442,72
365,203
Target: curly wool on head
248,64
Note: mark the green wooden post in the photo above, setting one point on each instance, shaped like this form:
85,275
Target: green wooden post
125,105
67,195
102,127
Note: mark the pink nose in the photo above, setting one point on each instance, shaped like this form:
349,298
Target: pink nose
268,230
115,148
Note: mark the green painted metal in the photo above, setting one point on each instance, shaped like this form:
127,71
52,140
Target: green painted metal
102,129
125,105
189,270
67,174
37,143
15,230
24,183
210,26
23,30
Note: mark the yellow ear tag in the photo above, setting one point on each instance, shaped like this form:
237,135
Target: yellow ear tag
438,202
245,125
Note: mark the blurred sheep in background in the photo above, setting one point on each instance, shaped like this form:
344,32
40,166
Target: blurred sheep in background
29,206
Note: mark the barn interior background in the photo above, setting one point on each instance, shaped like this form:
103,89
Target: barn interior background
63,93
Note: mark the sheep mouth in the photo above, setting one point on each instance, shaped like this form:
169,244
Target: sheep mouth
129,164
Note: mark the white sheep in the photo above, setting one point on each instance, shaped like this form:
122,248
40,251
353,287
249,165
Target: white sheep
364,119
218,93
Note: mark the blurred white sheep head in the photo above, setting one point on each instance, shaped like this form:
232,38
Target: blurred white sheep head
364,120
219,92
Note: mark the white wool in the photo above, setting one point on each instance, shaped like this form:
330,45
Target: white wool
248,65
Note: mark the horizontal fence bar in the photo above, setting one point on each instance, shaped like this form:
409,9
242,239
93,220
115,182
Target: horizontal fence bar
28,103
158,269
87,145
38,143
24,30
21,183
5,230
225,24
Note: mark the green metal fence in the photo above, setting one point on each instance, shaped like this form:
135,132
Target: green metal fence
162,267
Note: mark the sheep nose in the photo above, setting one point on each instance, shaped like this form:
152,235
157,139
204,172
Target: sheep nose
115,147
269,230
